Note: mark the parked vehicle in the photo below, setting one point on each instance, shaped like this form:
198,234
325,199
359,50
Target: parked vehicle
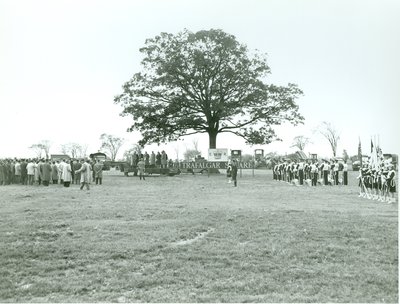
102,157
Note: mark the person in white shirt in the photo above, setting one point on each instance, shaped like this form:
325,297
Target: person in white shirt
325,170
336,172
60,169
30,168
300,170
314,174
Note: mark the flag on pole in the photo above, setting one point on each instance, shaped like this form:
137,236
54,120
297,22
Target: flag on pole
359,151
374,157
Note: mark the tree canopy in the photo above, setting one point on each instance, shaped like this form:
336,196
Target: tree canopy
205,82
111,144
331,134
300,142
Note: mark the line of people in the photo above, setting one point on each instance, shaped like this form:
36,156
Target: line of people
152,160
378,183
45,172
311,172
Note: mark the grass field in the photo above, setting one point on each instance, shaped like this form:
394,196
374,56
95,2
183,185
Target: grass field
196,239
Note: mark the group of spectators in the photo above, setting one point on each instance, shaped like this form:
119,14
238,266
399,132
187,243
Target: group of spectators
152,160
45,172
311,172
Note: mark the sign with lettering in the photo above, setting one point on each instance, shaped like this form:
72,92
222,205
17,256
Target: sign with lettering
215,165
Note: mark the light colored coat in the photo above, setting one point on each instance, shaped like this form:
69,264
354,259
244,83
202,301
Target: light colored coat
86,173
66,173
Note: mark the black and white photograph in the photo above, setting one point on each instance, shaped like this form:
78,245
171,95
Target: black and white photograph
199,151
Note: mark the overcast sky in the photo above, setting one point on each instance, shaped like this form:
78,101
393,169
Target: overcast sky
62,63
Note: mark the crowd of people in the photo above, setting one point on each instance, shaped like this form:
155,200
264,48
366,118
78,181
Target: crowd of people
45,172
311,172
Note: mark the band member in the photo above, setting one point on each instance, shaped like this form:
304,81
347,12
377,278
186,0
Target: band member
336,172
300,171
345,175
391,184
361,186
314,173
325,170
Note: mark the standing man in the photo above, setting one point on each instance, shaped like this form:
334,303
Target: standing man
158,160
45,172
345,178
37,176
24,172
86,174
98,172
60,166
152,160
67,174
146,159
300,170
30,168
75,167
391,183
164,159
2,173
71,163
17,172
336,172
234,170
141,168
54,173
314,174
325,170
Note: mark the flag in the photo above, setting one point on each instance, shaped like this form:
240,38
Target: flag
379,155
374,163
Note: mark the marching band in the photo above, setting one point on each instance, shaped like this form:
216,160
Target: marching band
377,181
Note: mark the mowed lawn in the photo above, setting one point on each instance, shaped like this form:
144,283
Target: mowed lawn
196,239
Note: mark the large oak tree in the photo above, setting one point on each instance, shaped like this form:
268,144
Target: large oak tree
205,82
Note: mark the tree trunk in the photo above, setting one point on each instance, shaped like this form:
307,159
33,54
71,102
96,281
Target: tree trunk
212,140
